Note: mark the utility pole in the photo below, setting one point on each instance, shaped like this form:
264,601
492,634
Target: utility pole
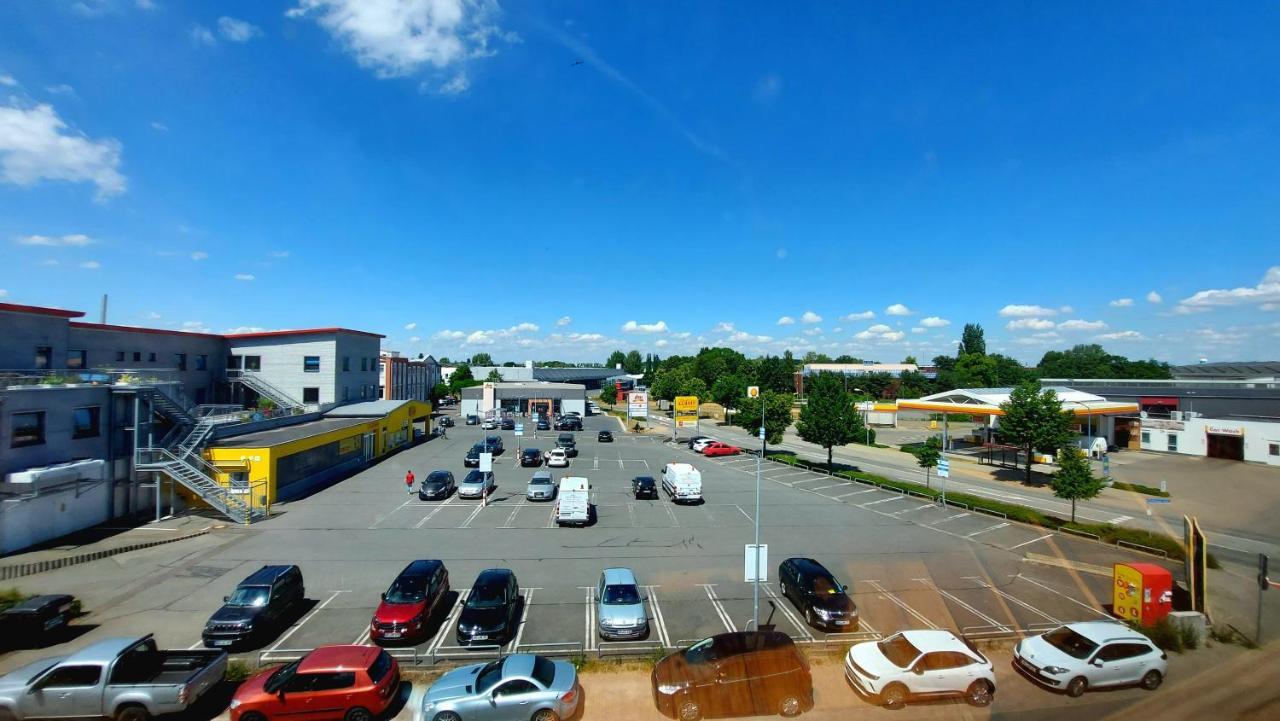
755,587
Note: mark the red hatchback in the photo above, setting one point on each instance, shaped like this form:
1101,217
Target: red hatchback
410,603
352,683
720,449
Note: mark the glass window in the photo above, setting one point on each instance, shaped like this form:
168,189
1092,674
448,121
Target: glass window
1173,442
151,357
77,359
249,596
180,361
137,356
515,687
1146,437
44,357
311,363
346,392
381,666
300,682
333,681
363,391
253,362
621,595
1070,642
364,364
899,651
28,429
310,395
543,670
84,422
1274,449
72,677
346,362
120,356
202,362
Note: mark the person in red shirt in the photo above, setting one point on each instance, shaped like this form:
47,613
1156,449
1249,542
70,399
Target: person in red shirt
408,482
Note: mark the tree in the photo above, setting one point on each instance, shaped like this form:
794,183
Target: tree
616,359
481,359
1074,479
1034,421
910,360
913,384
1091,361
775,374
972,341
444,361
609,394
461,378
728,389
829,417
668,381
814,356
777,414
695,387
493,377
847,359
928,455
633,363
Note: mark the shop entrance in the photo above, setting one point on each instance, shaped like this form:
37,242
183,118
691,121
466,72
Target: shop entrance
1229,447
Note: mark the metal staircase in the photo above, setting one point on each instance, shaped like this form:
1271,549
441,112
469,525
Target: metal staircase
264,388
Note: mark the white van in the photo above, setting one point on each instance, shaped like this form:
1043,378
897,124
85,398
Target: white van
573,505
682,482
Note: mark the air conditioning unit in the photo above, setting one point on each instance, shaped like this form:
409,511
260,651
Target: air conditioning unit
1175,415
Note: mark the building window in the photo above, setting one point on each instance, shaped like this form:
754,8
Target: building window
382,391
44,357
346,363
364,392
180,360
1173,442
1274,449
310,395
119,356
253,362
234,362
202,362
77,360
28,429
137,356
1146,438
311,364
346,393
364,364
84,422
151,357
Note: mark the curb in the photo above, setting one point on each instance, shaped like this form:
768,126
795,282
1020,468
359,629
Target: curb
30,569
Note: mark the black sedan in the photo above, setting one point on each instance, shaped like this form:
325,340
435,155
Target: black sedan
492,609
604,437
444,422
644,487
531,457
472,459
438,485
543,425
569,424
507,424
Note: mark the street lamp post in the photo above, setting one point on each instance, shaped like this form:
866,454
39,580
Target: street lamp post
755,586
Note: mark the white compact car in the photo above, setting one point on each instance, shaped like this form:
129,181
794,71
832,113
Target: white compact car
557,458
701,444
920,664
1093,654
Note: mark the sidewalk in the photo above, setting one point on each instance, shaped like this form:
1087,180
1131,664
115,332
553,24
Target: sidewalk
108,539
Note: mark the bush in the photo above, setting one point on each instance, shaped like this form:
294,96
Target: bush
238,670
1139,488
1163,634
1187,636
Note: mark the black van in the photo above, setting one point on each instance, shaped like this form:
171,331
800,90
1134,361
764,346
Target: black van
35,621
259,604
823,600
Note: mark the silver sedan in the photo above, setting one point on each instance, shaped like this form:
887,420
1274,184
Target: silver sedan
520,687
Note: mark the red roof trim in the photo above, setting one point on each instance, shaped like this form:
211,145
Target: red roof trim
40,310
304,331
138,329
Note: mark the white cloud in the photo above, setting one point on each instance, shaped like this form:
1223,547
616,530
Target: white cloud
1154,297
893,337
813,331
145,4
479,337
1026,311
1267,291
723,326
810,317
456,85
585,337
410,326
237,330
880,333
1121,335
77,240
3,292
1269,306
243,276
60,89
786,320
49,262
934,321
633,327
1029,324
395,38
199,255
157,125
661,343
864,315
154,316
35,145
683,336
898,309
1080,324
280,254
1066,309
879,328
525,327
917,329
564,321
8,81
202,35
744,337
91,265
236,30
1121,303
837,329
449,335
415,339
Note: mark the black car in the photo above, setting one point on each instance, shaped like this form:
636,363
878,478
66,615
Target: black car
507,424
732,675
492,610
438,485
823,600
695,439
604,437
262,602
531,457
472,459
35,621
543,425
444,422
493,444
644,487
569,445
569,423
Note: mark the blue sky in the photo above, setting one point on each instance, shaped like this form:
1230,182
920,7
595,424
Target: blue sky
447,173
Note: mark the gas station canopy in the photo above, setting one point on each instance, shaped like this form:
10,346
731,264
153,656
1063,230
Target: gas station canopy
986,401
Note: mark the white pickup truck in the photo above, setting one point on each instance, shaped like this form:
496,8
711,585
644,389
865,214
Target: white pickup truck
682,482
573,503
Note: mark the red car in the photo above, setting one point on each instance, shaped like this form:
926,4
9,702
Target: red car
720,449
354,683
411,602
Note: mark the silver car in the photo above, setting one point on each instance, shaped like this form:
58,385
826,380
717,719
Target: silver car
520,687
477,484
541,487
619,607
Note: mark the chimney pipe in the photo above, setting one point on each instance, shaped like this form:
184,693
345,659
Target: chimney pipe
103,317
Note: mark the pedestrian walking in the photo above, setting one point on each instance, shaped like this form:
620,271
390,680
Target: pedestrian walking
408,482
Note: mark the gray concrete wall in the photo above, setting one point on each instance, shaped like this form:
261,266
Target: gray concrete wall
283,363
357,347
57,404
22,332
156,351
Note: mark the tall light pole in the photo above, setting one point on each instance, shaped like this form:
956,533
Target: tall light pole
754,392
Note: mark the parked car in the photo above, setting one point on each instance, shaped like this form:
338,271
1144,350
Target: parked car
541,487
822,599
477,484
531,457
682,482
720,449
473,420
700,444
604,437
518,687
127,679
745,673
472,459
543,424
644,487
917,665
259,605
436,486
410,603
35,621
444,422
493,444
620,613
349,682
507,424
569,423
490,424
694,440
567,442
491,612
1093,654
573,502
557,458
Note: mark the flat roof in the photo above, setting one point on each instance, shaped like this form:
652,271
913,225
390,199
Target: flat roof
138,329
40,310
286,434
302,331
367,409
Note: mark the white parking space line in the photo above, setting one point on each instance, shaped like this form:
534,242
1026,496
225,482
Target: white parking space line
781,604
551,518
1028,543
448,622
857,493
885,594
913,509
524,617
671,513
197,644
658,619
380,519
964,605
1120,519
736,460
363,638
472,517
744,513
812,480
589,625
631,513
989,528
823,488
434,511
1033,581
948,518
1011,597
319,607
511,519
710,588
895,497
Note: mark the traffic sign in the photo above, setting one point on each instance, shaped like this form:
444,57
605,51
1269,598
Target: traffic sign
753,391
1157,500
944,468
486,462
751,564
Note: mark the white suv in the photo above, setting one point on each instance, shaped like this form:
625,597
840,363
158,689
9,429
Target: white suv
920,664
1080,656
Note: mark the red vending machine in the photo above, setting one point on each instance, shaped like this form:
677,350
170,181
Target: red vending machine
1142,592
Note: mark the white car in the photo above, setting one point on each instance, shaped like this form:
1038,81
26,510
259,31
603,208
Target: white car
701,444
1080,656
920,664
557,458
490,424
